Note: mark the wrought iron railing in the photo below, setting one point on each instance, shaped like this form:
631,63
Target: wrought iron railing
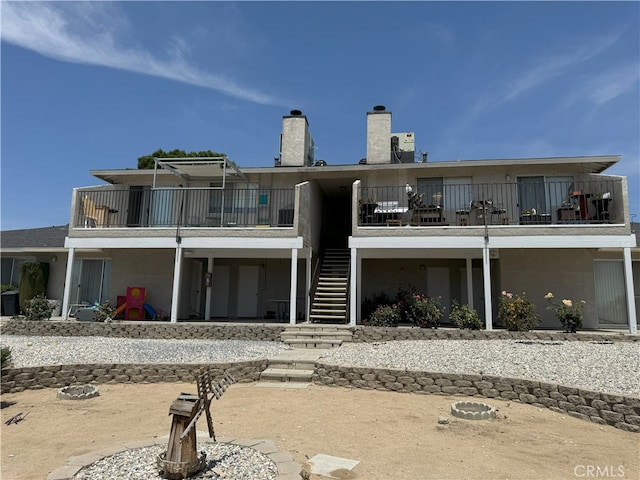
185,207
525,202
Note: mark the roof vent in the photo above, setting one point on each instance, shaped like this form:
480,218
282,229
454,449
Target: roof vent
295,112
379,108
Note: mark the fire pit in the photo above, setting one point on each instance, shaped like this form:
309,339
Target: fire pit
78,392
473,410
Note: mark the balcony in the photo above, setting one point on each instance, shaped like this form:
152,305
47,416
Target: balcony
524,203
144,207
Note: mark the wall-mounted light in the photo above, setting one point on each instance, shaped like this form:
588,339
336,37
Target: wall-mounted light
423,266
54,259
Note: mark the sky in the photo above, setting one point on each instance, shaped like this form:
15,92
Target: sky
92,86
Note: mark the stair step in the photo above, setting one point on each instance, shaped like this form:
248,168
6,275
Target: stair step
286,375
313,343
327,316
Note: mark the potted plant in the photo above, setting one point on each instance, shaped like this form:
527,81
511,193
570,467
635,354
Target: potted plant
568,314
517,312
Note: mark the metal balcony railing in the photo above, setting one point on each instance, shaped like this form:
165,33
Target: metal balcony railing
184,207
525,202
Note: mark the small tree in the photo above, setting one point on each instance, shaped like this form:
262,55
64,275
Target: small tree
146,162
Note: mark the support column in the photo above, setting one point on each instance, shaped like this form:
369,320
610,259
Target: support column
469,268
631,304
67,284
207,293
294,286
354,283
308,289
177,274
486,274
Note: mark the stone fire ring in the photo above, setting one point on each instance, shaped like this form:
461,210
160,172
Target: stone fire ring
473,410
78,392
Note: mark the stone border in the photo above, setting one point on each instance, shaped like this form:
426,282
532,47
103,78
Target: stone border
619,411
271,332
16,380
288,468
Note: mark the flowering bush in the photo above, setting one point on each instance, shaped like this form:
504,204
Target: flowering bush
569,315
425,311
464,317
384,316
517,313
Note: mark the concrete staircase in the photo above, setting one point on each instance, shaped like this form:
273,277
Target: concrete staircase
309,342
330,297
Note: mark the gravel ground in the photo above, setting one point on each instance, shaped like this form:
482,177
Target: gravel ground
231,462
612,367
32,351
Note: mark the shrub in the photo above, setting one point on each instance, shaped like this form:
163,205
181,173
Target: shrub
517,313
462,316
384,316
8,288
568,314
425,311
6,357
38,308
370,304
105,312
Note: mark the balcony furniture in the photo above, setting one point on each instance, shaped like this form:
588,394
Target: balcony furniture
499,214
367,212
602,209
428,216
568,215
462,216
582,203
96,215
535,219
389,211
396,222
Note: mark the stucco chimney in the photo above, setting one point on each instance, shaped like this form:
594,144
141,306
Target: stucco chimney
296,144
378,136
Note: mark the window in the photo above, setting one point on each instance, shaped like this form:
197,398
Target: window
10,274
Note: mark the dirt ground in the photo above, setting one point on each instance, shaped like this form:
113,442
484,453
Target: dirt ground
394,436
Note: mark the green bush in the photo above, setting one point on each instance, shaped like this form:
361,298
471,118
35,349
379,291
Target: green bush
464,317
8,288
105,312
517,313
424,311
6,358
38,308
370,304
384,316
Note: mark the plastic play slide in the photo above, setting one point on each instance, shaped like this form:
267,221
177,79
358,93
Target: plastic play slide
148,308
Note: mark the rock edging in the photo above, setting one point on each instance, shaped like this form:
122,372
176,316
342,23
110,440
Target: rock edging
619,411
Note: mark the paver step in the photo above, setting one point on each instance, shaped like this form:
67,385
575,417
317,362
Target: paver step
286,375
312,343
316,335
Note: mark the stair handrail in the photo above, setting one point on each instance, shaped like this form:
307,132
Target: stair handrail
347,313
315,278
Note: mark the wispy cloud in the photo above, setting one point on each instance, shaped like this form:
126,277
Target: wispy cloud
438,32
92,33
610,85
555,65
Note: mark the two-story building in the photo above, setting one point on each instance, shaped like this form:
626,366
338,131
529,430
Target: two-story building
304,240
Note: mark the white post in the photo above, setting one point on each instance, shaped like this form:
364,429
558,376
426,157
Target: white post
207,293
67,284
469,267
177,273
294,286
486,273
308,289
631,304
354,283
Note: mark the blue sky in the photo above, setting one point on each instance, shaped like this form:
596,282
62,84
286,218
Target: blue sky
91,85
